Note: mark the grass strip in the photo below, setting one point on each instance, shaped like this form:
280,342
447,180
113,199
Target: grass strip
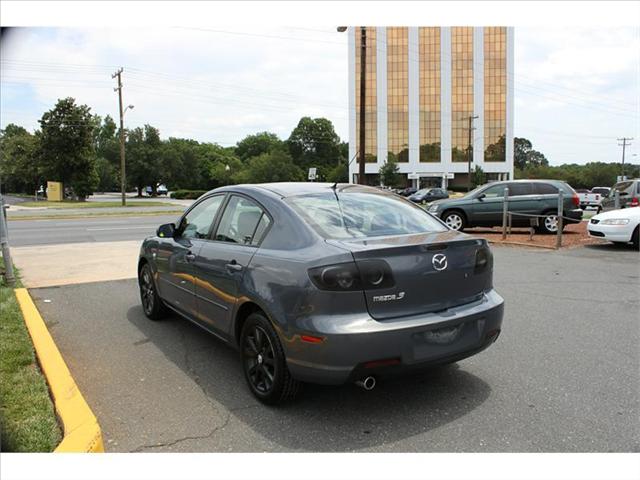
27,417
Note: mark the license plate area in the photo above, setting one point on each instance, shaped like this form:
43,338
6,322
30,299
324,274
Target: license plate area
443,341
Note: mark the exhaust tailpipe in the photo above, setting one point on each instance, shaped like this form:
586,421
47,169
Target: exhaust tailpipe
368,383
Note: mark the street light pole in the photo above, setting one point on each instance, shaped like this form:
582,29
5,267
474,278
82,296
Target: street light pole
363,86
123,176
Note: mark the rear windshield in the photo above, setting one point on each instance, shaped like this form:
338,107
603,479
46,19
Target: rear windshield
359,215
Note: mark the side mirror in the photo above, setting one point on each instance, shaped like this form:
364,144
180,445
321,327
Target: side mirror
168,230
481,196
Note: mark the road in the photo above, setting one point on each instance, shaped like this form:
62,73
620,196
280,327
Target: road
563,376
96,229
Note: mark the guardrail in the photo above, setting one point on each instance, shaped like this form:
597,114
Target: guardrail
507,217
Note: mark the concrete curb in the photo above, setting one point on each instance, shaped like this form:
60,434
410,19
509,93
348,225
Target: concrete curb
81,429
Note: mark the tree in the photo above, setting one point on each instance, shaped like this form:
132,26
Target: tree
67,146
20,167
144,161
478,177
390,173
254,145
314,143
276,166
525,156
339,173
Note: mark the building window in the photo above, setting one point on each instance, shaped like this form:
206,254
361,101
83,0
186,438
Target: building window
398,93
429,94
371,98
495,93
461,91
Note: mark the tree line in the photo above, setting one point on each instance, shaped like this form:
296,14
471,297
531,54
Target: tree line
82,151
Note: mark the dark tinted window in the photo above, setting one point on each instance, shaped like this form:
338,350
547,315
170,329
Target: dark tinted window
362,214
544,188
519,189
240,221
197,222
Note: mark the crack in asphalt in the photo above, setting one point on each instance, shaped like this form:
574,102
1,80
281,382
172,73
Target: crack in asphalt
196,378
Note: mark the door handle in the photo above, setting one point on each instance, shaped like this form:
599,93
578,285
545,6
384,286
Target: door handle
233,266
190,257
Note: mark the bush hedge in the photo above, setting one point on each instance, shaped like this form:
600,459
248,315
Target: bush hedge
187,194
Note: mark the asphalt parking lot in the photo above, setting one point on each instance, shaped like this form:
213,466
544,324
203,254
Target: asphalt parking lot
563,377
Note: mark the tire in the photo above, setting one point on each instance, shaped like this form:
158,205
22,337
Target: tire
152,304
263,362
455,220
549,223
635,239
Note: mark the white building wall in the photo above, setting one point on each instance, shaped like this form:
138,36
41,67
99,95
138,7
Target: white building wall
414,99
352,103
381,87
478,97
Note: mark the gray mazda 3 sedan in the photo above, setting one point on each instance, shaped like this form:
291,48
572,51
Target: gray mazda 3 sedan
323,283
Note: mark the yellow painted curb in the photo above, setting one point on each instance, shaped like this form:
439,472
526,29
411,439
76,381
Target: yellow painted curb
81,430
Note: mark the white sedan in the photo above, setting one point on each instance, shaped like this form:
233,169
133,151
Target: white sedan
619,226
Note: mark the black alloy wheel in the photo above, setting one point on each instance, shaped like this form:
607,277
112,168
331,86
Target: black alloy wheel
151,302
264,363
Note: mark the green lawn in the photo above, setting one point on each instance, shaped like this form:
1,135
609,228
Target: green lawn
27,419
75,204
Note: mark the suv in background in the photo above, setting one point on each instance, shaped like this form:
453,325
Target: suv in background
629,193
483,206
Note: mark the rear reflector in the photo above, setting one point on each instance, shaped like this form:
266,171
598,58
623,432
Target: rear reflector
382,363
635,202
311,339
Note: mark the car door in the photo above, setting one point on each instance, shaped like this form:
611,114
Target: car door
175,256
522,199
487,206
221,263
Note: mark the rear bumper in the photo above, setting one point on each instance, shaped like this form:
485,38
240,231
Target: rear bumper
364,346
573,216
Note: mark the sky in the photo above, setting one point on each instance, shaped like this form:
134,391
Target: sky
577,90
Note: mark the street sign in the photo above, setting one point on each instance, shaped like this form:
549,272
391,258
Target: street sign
312,173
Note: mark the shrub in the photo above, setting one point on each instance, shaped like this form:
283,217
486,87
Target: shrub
187,194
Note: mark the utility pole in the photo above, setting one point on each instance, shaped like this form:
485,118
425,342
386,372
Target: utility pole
470,150
363,78
123,176
626,141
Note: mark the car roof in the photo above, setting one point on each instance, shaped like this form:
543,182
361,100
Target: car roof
292,189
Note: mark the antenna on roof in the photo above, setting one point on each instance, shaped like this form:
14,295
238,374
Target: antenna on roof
334,185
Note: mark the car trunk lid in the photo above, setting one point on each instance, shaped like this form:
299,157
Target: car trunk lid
431,271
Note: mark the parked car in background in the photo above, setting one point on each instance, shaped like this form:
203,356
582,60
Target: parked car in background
323,283
628,192
603,191
483,206
618,226
589,199
162,189
407,191
429,195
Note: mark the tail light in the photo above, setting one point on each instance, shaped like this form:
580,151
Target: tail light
344,277
484,260
576,200
635,202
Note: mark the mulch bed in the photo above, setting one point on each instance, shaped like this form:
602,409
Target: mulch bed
574,235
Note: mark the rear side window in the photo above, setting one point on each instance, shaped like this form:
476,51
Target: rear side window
544,188
519,189
359,214
240,222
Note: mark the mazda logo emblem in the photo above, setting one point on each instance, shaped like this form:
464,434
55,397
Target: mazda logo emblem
439,261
